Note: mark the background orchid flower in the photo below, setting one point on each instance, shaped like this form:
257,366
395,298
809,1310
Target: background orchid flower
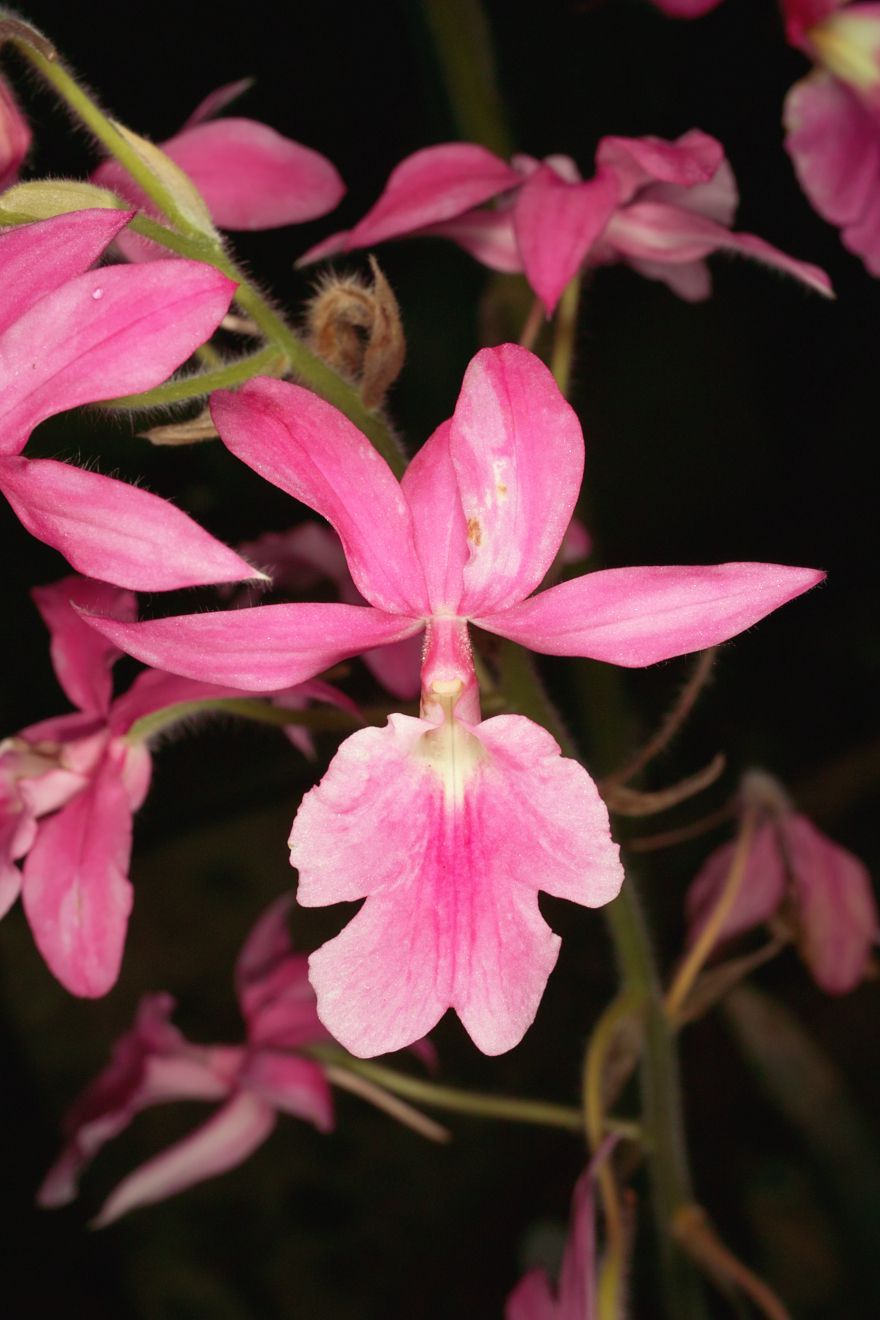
15,136
255,1082
443,822
154,1063
250,176
70,786
70,336
832,117
686,8
800,880
660,206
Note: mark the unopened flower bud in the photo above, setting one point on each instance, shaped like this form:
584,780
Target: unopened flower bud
356,327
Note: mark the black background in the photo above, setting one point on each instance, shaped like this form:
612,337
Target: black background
743,428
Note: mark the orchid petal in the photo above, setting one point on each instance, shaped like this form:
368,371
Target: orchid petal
760,893
106,333
487,235
249,176
35,259
433,185
10,876
518,454
533,1297
262,649
451,864
653,231
431,491
835,902
556,225
76,893
81,658
292,1086
224,1142
311,450
692,159
15,137
115,532
691,281
638,616
218,100
834,143
154,690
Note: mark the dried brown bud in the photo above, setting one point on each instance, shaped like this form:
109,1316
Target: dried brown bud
356,328
190,432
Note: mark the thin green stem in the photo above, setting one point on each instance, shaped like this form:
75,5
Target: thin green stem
478,1104
324,719
267,362
565,335
463,44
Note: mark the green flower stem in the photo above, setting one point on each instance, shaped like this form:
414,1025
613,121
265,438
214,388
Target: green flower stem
565,334
463,45
192,241
267,362
324,719
476,1103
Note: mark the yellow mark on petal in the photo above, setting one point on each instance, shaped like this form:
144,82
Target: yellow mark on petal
474,531
501,490
848,47
452,752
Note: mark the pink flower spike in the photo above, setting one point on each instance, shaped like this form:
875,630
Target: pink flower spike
639,616
444,799
115,532
575,214
533,1298
220,1144
262,649
76,893
15,136
35,259
81,658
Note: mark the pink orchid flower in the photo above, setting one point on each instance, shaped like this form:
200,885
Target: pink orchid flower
797,876
448,826
249,176
661,207
254,1082
70,336
15,136
69,788
832,118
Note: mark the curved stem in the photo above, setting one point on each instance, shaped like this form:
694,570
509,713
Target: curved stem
325,719
478,1104
565,333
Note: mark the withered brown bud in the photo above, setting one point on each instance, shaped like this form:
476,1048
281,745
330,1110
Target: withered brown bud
356,328
190,432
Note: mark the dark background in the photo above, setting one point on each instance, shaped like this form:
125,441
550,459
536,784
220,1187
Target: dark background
742,428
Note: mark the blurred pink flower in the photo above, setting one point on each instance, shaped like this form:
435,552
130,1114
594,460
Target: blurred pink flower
795,875
70,336
69,788
442,822
249,176
686,8
253,1082
661,207
832,117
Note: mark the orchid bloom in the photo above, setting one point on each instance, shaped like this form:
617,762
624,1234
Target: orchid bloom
448,825
661,207
800,880
832,117
154,1063
249,176
15,136
70,336
70,786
